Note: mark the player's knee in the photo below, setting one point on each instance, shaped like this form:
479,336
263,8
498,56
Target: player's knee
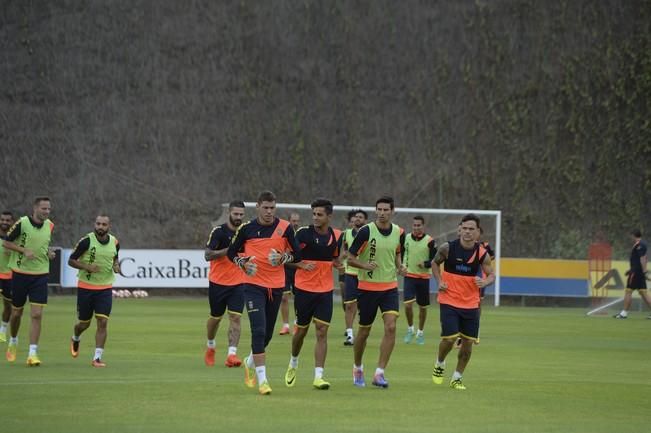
390,328
36,314
235,319
102,323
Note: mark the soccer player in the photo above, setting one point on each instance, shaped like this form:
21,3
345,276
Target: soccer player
96,257
261,247
319,244
636,274
376,253
225,290
29,239
358,219
458,296
6,221
418,253
295,222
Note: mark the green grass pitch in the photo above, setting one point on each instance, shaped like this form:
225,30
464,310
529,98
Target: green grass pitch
536,370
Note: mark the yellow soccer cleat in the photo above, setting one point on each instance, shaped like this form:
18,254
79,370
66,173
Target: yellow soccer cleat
320,384
3,337
290,377
11,352
249,374
264,388
457,384
437,375
33,361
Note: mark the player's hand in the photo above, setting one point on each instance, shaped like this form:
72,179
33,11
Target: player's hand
371,266
92,269
29,254
274,257
51,254
443,286
247,264
306,266
402,270
481,282
339,266
116,268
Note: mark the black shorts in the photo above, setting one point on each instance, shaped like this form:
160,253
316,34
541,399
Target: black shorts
368,302
636,280
312,306
32,286
459,322
416,289
98,302
350,288
5,287
222,297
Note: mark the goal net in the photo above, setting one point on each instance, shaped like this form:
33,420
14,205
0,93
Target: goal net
441,224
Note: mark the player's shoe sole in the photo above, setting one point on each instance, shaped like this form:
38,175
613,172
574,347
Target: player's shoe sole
321,384
97,363
264,388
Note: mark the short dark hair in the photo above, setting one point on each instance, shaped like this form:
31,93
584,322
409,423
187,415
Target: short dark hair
235,203
385,199
481,230
266,196
470,217
637,233
324,203
8,212
363,212
351,214
41,198
420,218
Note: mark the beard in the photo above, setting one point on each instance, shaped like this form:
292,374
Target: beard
235,222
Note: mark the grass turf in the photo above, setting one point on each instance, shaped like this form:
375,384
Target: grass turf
536,370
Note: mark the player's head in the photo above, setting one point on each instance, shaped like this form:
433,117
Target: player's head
102,225
384,209
266,207
295,220
321,212
636,234
236,212
418,225
469,227
42,208
6,220
359,218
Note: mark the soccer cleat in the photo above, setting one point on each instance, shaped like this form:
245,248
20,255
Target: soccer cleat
348,341
320,384
358,377
409,336
620,316
33,361
284,330
3,337
209,357
11,352
264,388
97,363
420,340
380,381
290,377
249,375
457,384
232,361
74,348
437,375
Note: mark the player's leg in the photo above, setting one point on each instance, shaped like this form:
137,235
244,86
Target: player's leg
37,300
469,330
322,319
409,298
367,302
449,334
350,306
84,316
6,311
102,305
423,302
256,301
389,302
235,304
217,310
284,313
304,311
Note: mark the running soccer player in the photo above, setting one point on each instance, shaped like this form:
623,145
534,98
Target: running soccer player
319,244
458,296
6,221
29,239
637,274
376,252
96,257
225,290
418,253
261,247
358,218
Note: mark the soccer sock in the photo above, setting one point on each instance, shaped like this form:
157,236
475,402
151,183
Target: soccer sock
98,353
76,338
3,327
623,313
211,344
232,350
293,361
419,332
440,363
410,328
285,325
359,367
318,372
13,340
261,372
379,371
456,375
32,349
349,332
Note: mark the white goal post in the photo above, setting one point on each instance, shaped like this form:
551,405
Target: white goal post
416,211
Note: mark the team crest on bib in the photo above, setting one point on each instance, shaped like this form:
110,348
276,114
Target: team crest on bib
279,232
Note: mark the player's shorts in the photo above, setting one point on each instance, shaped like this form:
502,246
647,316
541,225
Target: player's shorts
289,281
5,287
222,297
636,281
368,302
98,302
416,289
350,288
312,306
457,322
32,286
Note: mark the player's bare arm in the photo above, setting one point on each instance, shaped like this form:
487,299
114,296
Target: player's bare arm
441,255
487,267
356,263
211,255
